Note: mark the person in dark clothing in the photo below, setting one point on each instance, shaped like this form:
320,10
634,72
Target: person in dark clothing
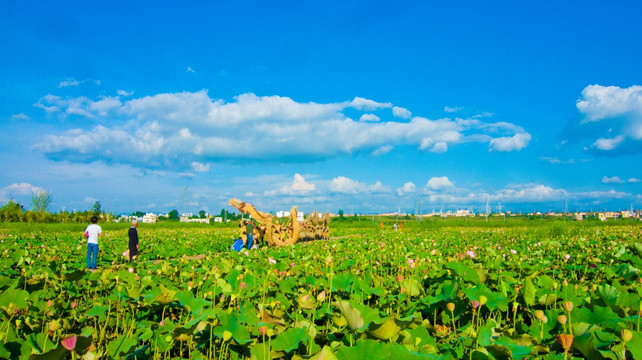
133,240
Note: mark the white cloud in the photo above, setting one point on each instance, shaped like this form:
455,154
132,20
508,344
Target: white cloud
18,190
124,93
20,116
400,112
618,112
612,180
439,147
346,185
608,144
200,167
407,188
601,102
173,130
369,117
360,103
454,109
633,180
190,70
555,160
299,186
439,183
70,82
510,143
382,150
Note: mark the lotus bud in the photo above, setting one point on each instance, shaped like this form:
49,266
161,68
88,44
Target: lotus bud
626,335
539,315
561,319
399,278
450,306
567,306
565,283
555,285
69,342
475,304
227,335
544,319
566,340
321,296
515,305
483,300
270,332
263,330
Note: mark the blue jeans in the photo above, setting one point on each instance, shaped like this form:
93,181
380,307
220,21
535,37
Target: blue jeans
250,241
92,249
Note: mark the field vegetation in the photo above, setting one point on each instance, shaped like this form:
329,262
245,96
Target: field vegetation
434,289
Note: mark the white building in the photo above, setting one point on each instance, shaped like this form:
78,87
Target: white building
150,218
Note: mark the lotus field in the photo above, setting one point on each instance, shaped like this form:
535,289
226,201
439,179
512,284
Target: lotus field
547,289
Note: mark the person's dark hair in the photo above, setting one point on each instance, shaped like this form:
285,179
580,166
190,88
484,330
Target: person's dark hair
94,220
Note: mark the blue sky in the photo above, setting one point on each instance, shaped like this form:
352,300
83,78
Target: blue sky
364,106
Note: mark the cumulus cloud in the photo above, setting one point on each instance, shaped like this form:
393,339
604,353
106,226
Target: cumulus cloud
369,117
510,143
400,112
407,188
608,144
299,186
612,180
612,115
124,93
439,183
633,180
173,130
18,190
360,103
346,185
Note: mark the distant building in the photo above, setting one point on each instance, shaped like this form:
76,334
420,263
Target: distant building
300,216
150,218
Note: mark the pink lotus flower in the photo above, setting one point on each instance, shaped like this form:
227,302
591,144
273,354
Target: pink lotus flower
242,285
263,330
567,257
69,342
399,278
470,253
272,261
131,270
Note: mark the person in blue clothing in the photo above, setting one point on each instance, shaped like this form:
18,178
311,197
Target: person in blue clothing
92,232
249,233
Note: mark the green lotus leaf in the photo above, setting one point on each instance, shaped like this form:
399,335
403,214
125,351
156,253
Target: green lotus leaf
289,339
353,316
385,331
608,294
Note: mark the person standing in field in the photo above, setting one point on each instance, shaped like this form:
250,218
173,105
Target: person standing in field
92,233
249,233
133,240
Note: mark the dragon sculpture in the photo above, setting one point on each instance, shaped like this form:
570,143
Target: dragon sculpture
269,232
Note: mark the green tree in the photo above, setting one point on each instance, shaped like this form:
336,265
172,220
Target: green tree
96,209
201,214
173,215
138,214
40,201
11,212
341,214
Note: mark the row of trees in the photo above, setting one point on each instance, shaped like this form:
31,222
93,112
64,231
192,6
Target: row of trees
13,211
41,200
